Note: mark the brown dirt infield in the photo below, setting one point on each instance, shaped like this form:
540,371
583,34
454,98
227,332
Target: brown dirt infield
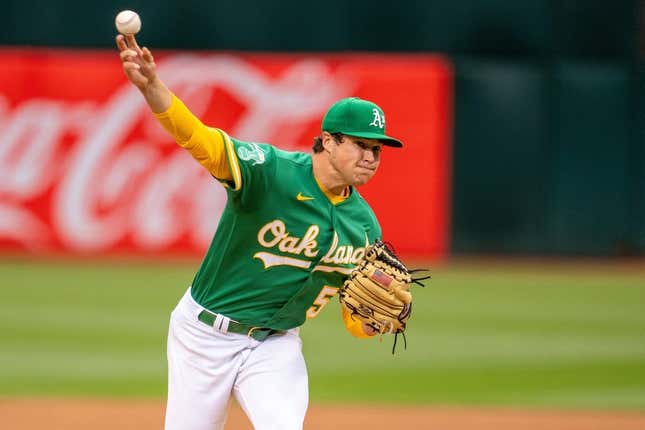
103,414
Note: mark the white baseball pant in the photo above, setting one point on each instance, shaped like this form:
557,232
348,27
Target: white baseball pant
207,366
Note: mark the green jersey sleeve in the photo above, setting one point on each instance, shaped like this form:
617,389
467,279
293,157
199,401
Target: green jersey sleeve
252,167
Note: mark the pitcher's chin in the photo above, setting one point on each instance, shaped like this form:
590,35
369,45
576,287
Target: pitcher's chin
362,179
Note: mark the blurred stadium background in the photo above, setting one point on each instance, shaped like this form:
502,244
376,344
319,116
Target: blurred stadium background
525,190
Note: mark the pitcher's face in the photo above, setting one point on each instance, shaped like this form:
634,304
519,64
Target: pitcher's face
355,159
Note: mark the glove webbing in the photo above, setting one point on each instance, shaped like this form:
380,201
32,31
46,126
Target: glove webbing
387,255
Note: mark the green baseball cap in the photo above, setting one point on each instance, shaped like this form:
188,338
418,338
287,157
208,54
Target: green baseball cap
360,118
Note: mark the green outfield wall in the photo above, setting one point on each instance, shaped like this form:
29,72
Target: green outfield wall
549,139
548,157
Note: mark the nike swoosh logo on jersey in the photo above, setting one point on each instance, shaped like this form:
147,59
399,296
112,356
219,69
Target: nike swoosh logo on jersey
302,198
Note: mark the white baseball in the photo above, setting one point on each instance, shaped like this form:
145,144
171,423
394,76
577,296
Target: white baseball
127,22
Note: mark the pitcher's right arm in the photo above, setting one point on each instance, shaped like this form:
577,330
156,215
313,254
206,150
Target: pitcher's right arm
205,144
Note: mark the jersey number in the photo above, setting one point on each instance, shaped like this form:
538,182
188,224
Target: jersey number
323,298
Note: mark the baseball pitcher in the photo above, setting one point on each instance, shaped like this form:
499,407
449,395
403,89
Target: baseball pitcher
293,231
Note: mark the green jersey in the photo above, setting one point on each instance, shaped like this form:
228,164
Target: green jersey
281,249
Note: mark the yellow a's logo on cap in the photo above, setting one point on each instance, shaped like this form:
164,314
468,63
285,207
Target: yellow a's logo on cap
379,119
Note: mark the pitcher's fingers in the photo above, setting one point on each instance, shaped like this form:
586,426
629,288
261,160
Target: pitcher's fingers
128,54
132,43
129,66
147,55
120,42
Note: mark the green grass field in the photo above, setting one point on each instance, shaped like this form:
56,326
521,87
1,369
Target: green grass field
487,333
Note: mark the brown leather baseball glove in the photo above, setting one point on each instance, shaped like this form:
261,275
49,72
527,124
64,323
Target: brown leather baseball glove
377,291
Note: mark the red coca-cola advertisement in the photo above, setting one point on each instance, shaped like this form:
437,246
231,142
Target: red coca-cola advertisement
86,169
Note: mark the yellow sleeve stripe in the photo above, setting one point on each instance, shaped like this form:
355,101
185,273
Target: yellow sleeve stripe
233,162
353,325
